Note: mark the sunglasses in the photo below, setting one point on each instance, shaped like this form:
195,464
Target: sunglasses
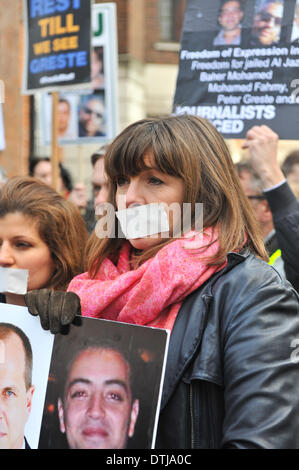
90,112
267,18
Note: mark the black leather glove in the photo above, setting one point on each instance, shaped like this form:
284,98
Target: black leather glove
56,309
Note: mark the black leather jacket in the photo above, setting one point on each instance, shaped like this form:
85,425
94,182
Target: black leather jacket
232,375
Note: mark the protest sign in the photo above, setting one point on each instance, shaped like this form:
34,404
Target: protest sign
89,116
96,385
239,65
57,44
105,386
25,355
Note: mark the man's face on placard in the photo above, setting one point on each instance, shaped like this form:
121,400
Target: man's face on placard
267,23
230,15
64,114
92,115
97,411
15,399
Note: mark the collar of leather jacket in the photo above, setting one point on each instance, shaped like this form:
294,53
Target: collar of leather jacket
187,334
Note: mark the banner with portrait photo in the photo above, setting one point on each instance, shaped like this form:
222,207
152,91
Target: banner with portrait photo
238,67
90,115
105,385
57,44
25,355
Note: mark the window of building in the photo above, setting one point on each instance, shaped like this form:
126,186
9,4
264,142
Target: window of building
171,14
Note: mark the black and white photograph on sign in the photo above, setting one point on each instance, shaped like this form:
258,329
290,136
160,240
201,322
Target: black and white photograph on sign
25,355
91,115
104,387
267,23
57,44
81,116
230,18
95,121
238,65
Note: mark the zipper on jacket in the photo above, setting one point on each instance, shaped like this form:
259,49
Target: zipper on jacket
192,416
195,444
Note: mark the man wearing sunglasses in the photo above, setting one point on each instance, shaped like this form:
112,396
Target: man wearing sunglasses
266,26
253,188
91,117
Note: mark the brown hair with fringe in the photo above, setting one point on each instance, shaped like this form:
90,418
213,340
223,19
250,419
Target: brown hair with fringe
59,224
190,148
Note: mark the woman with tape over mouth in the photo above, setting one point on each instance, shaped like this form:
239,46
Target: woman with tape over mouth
231,381
40,232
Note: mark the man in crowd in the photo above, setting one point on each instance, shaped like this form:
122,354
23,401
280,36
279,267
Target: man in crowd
16,389
253,188
262,144
230,17
290,167
267,22
99,178
97,407
99,186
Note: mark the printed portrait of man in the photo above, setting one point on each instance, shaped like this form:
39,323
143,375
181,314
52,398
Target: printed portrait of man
229,19
16,389
266,28
64,112
97,406
91,116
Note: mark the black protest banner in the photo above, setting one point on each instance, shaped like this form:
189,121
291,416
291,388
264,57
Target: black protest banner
58,42
239,65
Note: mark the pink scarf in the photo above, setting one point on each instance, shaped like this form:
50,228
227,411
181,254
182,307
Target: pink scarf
153,293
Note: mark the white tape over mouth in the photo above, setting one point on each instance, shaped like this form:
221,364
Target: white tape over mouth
143,221
14,280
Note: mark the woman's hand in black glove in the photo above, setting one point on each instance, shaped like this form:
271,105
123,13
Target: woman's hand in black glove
55,308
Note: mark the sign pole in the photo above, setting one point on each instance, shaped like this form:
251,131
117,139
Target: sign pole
55,154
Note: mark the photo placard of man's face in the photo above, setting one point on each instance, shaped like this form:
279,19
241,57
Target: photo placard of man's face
104,386
25,356
266,28
16,391
97,410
